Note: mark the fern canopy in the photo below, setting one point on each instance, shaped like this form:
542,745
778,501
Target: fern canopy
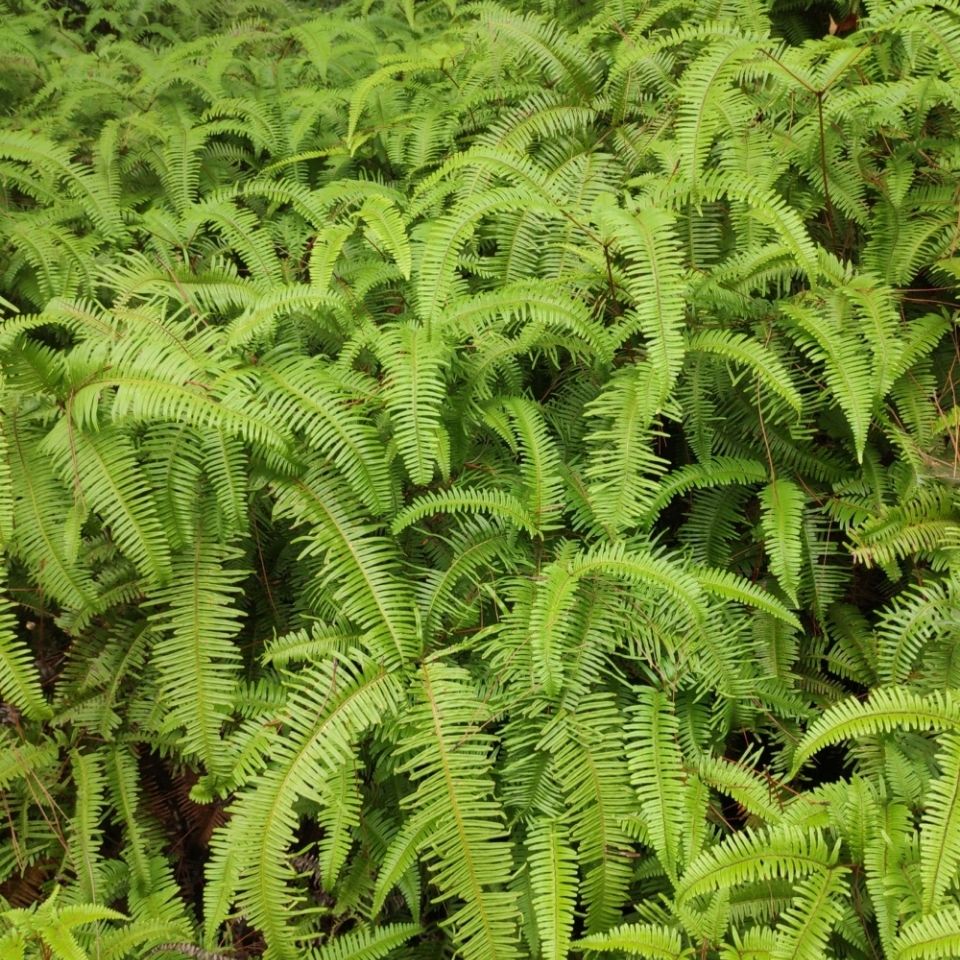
479,480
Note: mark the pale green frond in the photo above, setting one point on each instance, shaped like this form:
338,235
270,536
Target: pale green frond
19,677
645,238
369,943
785,852
783,503
887,709
330,708
936,937
940,827
414,393
657,773
196,654
805,926
766,366
622,466
368,584
448,758
552,869
638,940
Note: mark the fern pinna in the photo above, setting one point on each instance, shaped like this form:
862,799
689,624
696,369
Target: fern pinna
479,480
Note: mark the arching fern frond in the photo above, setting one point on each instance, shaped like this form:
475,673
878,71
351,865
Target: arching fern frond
887,709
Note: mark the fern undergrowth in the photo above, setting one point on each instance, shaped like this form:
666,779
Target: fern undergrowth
479,480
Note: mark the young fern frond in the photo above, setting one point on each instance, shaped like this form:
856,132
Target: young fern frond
496,503
413,394
368,943
784,852
806,925
19,679
623,465
652,278
656,769
369,587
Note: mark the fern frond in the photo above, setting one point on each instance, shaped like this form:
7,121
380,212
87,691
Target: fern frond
103,469
717,471
806,924
908,623
765,364
936,937
456,500
652,277
940,827
638,940
19,677
657,772
86,833
553,882
588,753
368,583
729,586
622,466
307,397
196,656
414,393
887,709
785,852
370,943
329,709
783,503
470,854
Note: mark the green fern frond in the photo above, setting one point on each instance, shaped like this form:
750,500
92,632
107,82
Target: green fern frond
496,503
413,393
470,855
653,280
657,772
806,925
783,503
935,937
553,883
623,465
887,709
329,709
366,944
19,677
940,827
369,586
102,468
785,852
638,940
765,364
196,655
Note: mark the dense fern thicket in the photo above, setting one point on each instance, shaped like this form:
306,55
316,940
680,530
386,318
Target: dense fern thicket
480,480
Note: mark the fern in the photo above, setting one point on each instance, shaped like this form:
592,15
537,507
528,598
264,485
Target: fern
782,515
939,851
553,882
479,480
467,847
